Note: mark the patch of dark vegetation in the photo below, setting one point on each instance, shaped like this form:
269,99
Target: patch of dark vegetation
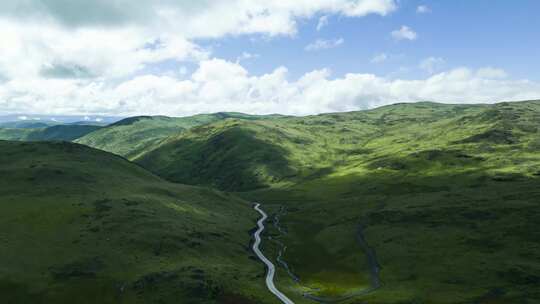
518,276
507,177
391,164
495,296
404,188
449,216
153,280
494,136
102,206
228,298
485,245
130,121
86,268
445,155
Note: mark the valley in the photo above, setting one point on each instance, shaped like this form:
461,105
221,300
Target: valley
407,203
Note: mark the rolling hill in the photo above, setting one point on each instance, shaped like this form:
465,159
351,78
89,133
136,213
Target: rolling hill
80,225
446,195
36,132
426,202
135,136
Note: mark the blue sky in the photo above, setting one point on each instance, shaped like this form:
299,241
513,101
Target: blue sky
503,34
180,57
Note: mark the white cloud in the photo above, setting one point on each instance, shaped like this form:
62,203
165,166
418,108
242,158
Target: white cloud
93,46
246,56
491,73
323,21
219,85
321,44
404,33
379,58
432,64
423,9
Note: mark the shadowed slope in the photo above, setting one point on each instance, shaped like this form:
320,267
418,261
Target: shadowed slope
85,226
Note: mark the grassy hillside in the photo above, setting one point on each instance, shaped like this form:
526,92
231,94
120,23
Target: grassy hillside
14,134
52,133
24,125
134,136
83,226
62,133
446,195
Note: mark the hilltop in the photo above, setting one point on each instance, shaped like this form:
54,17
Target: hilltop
135,136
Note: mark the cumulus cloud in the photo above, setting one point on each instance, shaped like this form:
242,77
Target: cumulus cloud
321,44
379,58
219,85
191,18
246,56
432,64
423,9
323,21
92,46
404,33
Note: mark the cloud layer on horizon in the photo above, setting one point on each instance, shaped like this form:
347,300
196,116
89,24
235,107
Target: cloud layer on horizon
219,85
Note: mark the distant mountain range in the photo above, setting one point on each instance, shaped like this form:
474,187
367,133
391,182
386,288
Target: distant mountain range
58,119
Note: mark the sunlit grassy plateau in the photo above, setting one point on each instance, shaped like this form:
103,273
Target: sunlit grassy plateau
446,196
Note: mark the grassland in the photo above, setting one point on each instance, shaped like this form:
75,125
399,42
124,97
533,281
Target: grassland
83,226
447,196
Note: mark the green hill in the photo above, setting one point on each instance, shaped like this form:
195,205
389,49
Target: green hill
62,133
83,226
52,133
25,125
14,134
135,136
446,195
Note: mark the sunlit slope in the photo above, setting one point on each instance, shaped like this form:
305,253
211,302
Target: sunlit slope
447,196
134,136
80,225
291,150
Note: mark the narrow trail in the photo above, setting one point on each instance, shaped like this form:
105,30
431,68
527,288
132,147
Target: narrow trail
271,269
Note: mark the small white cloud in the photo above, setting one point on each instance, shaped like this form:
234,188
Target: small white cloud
423,9
323,21
86,118
491,73
379,58
98,119
432,64
404,33
22,118
246,56
321,44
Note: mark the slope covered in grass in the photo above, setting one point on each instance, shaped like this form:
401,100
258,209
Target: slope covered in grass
52,133
446,195
135,136
80,225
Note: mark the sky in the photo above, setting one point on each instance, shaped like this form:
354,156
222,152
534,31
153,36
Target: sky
298,57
